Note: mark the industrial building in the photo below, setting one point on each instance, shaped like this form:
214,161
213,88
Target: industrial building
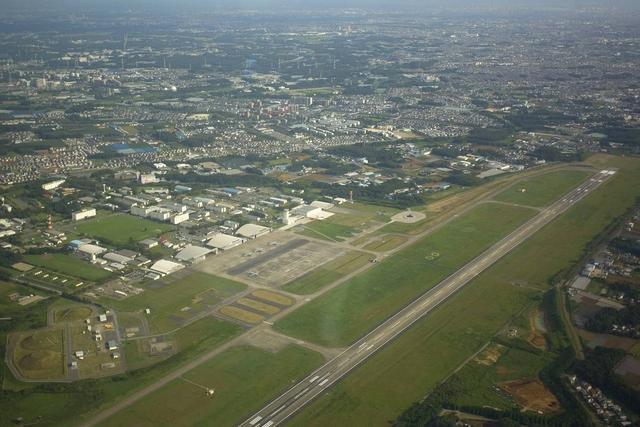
193,254
83,214
224,242
252,231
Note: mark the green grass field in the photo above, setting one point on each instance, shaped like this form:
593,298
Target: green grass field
121,228
206,333
68,265
53,406
385,243
327,273
38,355
544,189
427,353
244,378
326,230
345,313
169,301
476,383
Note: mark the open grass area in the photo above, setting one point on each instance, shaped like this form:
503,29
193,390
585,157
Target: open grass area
244,378
273,297
544,189
345,313
385,243
175,302
38,355
193,340
121,228
349,219
326,230
241,314
206,334
327,273
427,353
478,383
68,265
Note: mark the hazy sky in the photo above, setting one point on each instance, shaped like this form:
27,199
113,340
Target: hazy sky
115,5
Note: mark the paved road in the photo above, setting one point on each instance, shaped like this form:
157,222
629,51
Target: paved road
320,380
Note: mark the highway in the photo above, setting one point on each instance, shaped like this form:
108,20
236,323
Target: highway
302,393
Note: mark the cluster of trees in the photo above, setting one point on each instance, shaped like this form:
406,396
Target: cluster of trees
598,369
616,132
222,180
604,320
331,167
626,245
428,412
376,194
383,155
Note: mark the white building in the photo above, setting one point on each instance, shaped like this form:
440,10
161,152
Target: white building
165,267
48,186
92,250
193,254
181,217
252,231
224,242
80,215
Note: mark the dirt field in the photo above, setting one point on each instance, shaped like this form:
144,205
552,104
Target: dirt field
531,394
490,355
536,337
273,297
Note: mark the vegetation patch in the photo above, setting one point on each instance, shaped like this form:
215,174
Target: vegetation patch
244,379
121,229
543,189
345,313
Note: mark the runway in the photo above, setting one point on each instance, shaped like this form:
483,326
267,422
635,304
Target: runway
302,393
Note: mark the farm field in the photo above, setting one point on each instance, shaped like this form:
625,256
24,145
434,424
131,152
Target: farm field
121,228
173,303
544,189
458,328
244,379
345,313
68,265
327,273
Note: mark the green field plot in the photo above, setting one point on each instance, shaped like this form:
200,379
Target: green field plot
385,243
121,228
10,306
542,190
350,219
173,303
328,273
69,311
38,355
371,212
68,265
202,335
345,313
326,230
459,327
244,378
481,382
